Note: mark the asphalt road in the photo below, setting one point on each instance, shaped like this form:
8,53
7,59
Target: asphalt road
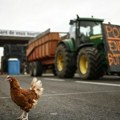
71,99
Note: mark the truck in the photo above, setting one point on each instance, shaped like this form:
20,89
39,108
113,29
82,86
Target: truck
91,48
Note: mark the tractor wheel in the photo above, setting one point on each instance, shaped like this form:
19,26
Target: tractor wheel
90,63
37,68
63,63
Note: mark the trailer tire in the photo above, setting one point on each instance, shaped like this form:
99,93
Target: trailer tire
90,63
63,63
31,68
54,71
37,68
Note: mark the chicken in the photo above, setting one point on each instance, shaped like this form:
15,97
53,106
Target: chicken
26,99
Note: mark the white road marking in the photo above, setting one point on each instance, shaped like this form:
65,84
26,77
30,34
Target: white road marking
5,97
98,83
66,94
81,82
55,113
88,92
54,79
84,82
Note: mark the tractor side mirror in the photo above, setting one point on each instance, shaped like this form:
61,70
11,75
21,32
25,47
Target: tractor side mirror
71,22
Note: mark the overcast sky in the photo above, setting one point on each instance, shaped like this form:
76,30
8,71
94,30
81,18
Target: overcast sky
39,15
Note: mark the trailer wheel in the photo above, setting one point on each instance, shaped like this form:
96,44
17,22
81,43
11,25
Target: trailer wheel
90,63
54,71
31,68
63,63
37,68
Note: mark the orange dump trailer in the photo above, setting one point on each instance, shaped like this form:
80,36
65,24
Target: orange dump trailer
40,52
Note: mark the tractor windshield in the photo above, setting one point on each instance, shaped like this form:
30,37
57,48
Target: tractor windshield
91,30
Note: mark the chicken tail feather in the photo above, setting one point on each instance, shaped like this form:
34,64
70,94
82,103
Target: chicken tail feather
36,85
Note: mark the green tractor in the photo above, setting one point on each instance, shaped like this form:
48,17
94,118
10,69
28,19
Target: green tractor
86,50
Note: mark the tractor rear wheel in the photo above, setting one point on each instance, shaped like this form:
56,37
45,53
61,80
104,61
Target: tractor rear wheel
90,63
63,63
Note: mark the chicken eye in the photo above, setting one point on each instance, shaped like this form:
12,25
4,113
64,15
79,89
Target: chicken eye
38,89
10,79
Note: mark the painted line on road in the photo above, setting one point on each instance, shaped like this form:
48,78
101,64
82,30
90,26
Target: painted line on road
5,97
83,82
98,83
53,79
66,94
88,92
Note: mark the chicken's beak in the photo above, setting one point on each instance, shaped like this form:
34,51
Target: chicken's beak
7,78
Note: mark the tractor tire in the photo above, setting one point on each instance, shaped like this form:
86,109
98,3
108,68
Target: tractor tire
90,63
37,68
63,63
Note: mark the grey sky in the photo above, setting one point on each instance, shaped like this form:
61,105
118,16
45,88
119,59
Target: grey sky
38,15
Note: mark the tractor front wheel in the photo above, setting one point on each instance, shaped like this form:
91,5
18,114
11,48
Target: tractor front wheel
63,63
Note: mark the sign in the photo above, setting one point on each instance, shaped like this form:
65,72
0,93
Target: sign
113,46
18,33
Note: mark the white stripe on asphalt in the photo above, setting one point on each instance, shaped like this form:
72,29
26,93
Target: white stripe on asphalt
98,83
53,79
66,94
88,92
5,97
83,82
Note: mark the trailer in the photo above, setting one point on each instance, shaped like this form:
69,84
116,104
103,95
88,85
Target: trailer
41,50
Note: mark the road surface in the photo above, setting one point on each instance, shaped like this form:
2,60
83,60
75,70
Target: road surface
70,99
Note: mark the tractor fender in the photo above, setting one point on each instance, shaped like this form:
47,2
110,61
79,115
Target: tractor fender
84,45
69,44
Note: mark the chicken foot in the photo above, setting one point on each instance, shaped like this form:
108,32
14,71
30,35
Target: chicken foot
26,116
22,115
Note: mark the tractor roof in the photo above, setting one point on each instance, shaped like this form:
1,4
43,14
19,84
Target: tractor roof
90,19
86,19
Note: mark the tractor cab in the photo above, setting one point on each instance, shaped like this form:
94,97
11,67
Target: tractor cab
86,30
